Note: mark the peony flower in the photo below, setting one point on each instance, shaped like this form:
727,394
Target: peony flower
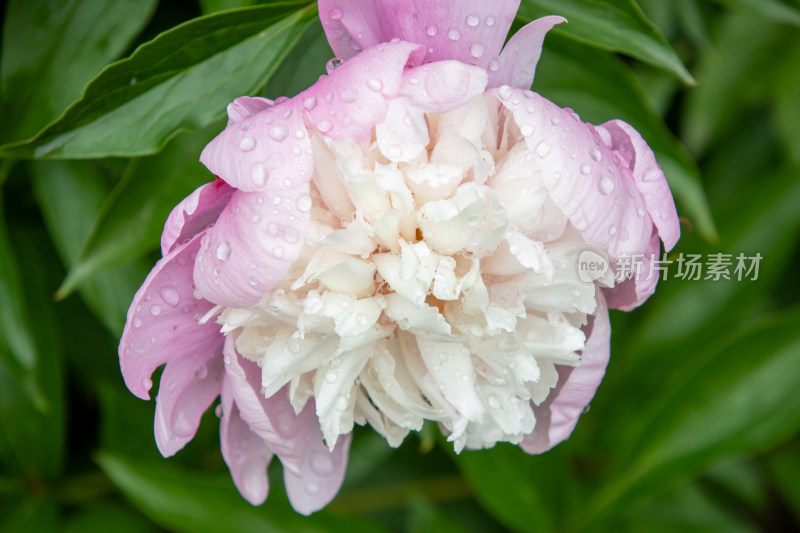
396,244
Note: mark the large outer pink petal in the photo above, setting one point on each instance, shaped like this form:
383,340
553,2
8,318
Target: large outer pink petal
585,179
194,214
245,453
470,31
352,98
517,64
188,387
633,292
557,416
649,179
162,323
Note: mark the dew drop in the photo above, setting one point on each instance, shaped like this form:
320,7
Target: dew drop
170,295
375,84
146,383
494,65
473,20
555,121
277,133
612,230
606,186
223,251
639,212
312,488
341,403
155,309
332,64
494,403
201,372
303,203
651,176
324,126
476,50
330,377
247,144
490,20
431,30
277,252
336,14
586,170
137,322
349,95
526,130
453,34
253,281
594,153
310,103
504,92
272,228
322,464
543,148
258,175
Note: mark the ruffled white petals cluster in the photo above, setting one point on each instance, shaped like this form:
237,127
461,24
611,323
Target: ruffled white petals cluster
436,282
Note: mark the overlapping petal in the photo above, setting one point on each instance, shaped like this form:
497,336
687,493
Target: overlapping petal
164,320
195,213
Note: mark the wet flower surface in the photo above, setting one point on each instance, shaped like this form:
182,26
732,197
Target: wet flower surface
396,244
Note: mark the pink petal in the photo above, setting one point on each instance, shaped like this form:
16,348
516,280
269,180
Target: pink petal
585,179
246,106
321,473
188,387
649,179
194,214
262,150
162,320
469,31
632,293
257,237
352,98
557,416
246,455
517,64
273,419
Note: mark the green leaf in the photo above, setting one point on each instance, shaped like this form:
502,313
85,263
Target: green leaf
524,492
213,6
97,517
182,501
70,195
600,87
31,516
616,26
773,10
303,66
787,102
131,219
182,79
32,408
52,49
742,399
785,469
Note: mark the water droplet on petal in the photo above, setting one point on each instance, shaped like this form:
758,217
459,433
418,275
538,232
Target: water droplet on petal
155,309
310,103
639,212
504,92
223,251
332,64
322,464
277,133
490,20
594,153
431,30
653,175
476,50
272,228
494,403
201,372
312,488
303,202
258,175
137,322
494,65
612,230
336,14
375,84
324,126
277,252
349,95
606,186
586,170
330,377
526,130
453,34
146,383
247,144
543,148
473,20
341,403
170,295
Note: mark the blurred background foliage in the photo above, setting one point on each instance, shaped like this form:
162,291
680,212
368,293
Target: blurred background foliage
106,105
